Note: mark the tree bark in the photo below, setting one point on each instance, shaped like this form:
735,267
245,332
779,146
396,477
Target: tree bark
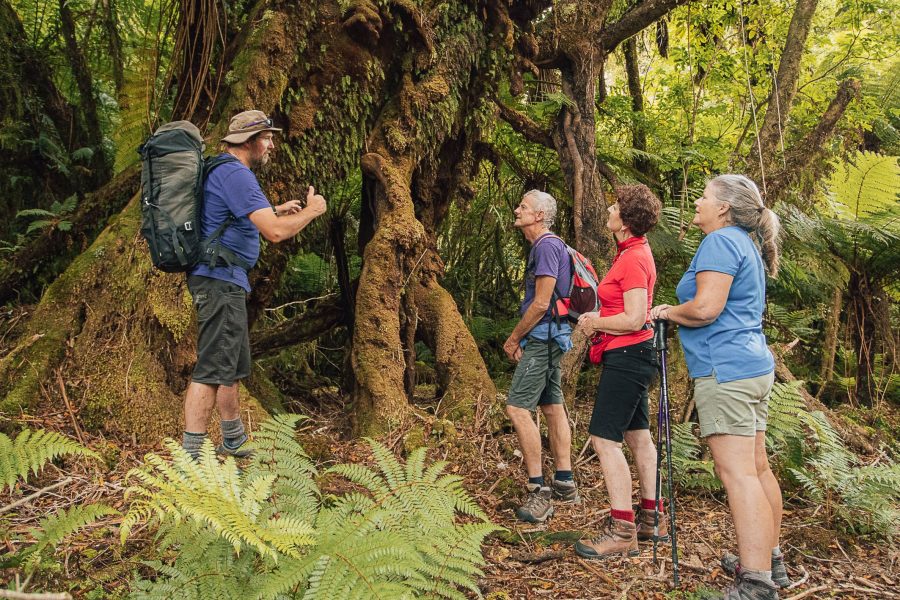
832,329
781,98
114,41
315,321
100,169
635,89
199,44
811,148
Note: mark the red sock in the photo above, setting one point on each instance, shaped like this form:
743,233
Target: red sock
623,515
648,503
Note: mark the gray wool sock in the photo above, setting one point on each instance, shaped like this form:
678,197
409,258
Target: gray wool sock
776,551
763,576
192,442
233,433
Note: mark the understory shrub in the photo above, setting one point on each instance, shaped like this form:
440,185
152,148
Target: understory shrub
807,452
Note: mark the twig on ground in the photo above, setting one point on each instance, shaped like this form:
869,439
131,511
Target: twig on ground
62,388
24,596
31,497
808,592
800,581
846,588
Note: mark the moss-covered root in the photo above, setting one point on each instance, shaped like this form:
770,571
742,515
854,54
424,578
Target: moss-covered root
462,377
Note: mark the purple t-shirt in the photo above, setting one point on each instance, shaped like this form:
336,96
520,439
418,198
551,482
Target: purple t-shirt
548,257
232,189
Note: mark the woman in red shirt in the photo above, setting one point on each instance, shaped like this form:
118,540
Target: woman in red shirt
624,345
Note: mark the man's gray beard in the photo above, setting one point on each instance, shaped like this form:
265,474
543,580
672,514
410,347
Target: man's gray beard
261,164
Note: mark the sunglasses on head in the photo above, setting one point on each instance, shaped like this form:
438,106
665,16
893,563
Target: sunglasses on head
266,122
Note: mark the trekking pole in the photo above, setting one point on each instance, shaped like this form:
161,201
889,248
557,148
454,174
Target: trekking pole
663,421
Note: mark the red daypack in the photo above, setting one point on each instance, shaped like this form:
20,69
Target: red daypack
581,297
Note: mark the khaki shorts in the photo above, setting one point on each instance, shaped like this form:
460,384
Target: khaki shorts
738,407
537,380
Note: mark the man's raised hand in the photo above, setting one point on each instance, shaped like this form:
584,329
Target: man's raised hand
315,202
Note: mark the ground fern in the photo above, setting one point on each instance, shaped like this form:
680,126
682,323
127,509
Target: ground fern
810,455
400,531
30,451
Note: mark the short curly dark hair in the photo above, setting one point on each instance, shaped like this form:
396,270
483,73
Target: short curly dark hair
638,207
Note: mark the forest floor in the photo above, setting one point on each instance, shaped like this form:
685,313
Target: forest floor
823,561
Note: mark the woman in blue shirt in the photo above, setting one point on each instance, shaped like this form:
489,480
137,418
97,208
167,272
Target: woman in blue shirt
722,297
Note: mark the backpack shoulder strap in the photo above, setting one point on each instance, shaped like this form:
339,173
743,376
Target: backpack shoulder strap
215,161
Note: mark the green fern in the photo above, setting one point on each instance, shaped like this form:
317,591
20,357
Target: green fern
865,186
400,531
689,469
28,453
810,454
214,494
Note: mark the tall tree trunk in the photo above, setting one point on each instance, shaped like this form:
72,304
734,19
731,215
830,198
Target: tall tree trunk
635,90
100,169
114,41
783,89
863,324
832,329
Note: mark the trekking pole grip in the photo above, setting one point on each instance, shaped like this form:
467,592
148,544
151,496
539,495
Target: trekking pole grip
659,333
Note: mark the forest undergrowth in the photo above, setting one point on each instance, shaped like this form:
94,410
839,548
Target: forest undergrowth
825,559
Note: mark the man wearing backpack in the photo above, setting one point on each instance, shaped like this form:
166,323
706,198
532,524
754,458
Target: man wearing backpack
232,194
537,344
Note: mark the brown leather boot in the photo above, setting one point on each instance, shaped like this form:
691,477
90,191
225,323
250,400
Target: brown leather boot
618,538
645,519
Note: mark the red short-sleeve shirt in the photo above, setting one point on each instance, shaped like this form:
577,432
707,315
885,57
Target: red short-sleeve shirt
633,267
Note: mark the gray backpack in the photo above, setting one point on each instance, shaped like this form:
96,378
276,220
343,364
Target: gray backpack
173,172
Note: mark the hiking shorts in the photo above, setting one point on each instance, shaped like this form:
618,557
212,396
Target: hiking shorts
537,379
622,397
223,344
738,407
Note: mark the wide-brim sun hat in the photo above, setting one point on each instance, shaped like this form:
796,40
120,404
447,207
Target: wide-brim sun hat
245,125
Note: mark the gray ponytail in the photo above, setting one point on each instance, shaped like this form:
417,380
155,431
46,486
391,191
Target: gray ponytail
748,212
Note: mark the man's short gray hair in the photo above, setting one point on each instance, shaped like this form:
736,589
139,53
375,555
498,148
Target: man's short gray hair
545,203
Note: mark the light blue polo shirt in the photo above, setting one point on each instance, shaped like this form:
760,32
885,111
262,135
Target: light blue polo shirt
733,346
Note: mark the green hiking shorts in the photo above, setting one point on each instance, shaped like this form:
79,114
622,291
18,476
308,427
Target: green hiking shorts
537,379
738,407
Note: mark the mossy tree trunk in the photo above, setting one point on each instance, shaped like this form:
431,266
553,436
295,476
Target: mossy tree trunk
374,87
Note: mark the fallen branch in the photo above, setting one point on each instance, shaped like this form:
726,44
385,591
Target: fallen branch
808,592
41,596
31,497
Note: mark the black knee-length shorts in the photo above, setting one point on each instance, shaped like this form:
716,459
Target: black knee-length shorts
622,394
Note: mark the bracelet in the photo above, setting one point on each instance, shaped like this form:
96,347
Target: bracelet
274,210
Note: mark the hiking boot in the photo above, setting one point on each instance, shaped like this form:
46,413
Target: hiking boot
537,507
731,564
645,520
565,491
241,451
746,589
618,538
